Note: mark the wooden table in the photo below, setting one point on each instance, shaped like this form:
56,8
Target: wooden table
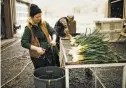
66,62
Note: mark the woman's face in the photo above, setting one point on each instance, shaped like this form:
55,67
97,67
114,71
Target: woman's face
37,18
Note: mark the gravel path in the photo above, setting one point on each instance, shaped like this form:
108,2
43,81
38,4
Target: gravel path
13,61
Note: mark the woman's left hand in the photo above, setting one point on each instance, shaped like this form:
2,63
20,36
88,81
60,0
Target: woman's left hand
53,43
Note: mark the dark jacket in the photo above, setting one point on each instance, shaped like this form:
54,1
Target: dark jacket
47,59
26,38
60,26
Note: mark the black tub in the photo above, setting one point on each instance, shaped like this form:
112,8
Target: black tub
49,77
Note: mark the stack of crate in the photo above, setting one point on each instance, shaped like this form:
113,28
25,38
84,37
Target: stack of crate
110,27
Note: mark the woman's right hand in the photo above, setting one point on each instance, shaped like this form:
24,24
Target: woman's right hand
40,50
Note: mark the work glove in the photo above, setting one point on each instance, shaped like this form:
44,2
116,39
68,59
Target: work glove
66,31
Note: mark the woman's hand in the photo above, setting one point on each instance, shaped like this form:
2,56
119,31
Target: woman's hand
66,31
40,50
53,43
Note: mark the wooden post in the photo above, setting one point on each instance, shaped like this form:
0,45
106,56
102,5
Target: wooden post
8,19
67,77
107,9
13,14
124,9
124,77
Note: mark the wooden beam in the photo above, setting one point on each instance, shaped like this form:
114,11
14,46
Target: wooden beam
8,18
107,9
115,1
96,65
124,9
24,1
124,78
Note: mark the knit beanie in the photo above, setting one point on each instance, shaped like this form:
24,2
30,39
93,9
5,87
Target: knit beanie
34,9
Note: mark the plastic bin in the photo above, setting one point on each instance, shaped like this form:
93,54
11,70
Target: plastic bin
49,77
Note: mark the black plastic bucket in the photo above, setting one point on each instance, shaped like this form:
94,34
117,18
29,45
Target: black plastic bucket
49,77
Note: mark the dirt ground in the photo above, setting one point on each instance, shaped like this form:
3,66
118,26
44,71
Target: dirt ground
15,58
13,61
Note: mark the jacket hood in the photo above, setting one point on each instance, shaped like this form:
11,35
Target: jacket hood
30,21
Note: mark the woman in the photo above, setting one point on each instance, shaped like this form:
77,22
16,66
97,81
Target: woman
37,39
61,28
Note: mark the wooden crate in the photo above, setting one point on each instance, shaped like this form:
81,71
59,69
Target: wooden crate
110,27
109,24
111,35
